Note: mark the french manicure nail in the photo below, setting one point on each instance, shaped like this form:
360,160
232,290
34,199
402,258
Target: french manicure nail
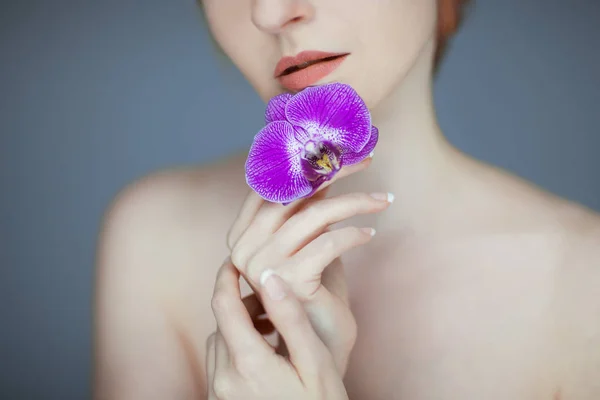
370,231
272,284
389,197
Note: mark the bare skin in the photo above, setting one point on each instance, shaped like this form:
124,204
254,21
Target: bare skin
478,285
503,305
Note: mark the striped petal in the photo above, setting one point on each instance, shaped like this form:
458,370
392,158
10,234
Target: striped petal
349,157
273,167
333,112
276,108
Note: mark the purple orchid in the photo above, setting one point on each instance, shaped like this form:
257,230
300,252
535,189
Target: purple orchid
307,139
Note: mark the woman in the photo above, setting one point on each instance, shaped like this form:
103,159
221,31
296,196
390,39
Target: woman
477,285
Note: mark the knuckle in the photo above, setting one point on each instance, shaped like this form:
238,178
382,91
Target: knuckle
308,213
220,303
313,211
351,334
230,240
247,364
254,267
329,242
238,257
210,341
222,386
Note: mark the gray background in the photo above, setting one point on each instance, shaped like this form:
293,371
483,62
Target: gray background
96,94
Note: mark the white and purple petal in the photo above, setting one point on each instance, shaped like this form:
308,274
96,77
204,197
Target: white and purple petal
349,157
301,135
273,167
276,108
334,112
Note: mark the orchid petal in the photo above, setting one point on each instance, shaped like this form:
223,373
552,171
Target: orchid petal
276,108
273,168
350,157
301,135
315,187
334,112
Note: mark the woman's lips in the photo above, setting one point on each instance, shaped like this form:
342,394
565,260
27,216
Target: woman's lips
307,68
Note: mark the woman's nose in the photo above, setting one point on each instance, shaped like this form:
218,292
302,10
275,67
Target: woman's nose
274,16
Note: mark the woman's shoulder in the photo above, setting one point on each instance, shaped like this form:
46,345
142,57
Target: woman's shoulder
161,242
181,195
575,301
172,217
567,230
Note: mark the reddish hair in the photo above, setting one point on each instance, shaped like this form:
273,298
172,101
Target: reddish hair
450,15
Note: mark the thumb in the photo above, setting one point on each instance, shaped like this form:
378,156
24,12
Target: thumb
307,351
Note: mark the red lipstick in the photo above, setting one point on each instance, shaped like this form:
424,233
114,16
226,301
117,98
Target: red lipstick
307,68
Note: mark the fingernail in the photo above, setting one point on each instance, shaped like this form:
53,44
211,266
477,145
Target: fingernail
272,284
389,197
370,231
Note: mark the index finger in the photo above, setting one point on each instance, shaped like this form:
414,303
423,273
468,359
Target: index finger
273,214
231,314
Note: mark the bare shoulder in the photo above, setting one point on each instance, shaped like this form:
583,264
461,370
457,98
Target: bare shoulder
569,250
577,305
580,232
161,243
572,231
174,213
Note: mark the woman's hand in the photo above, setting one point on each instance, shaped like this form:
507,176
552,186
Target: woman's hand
241,365
296,241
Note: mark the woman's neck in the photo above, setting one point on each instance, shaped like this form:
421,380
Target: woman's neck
413,159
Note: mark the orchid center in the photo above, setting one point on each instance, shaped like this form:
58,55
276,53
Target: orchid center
325,163
320,159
